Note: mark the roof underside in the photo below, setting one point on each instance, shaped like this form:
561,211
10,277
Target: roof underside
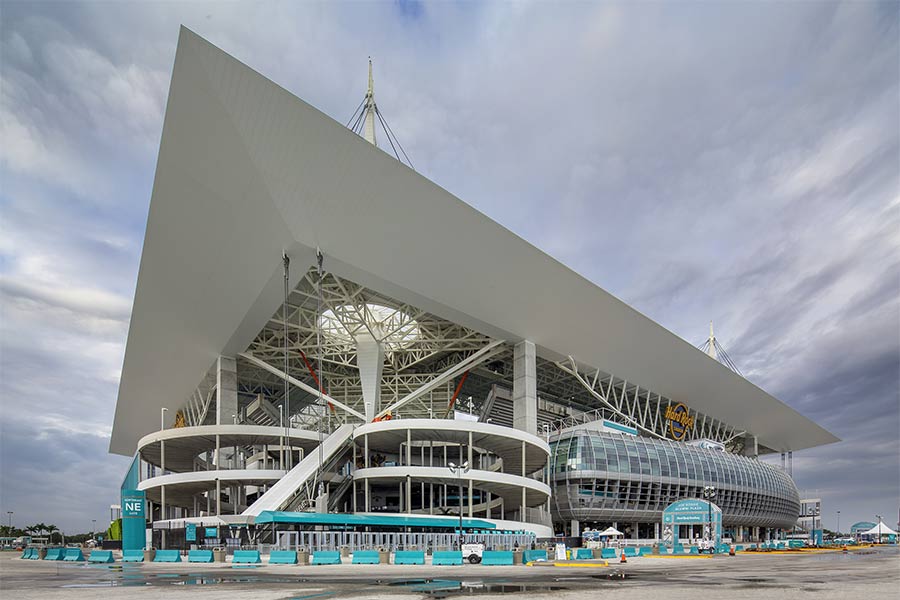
246,171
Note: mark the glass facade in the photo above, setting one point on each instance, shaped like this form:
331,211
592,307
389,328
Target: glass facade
603,477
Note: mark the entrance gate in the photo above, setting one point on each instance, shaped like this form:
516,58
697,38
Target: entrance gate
691,512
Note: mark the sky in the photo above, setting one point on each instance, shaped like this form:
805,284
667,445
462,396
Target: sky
734,162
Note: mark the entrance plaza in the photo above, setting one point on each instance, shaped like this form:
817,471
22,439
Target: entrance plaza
863,573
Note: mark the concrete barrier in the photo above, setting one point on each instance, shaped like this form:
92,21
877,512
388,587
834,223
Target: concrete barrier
282,557
73,555
608,553
583,553
167,556
409,557
101,556
132,556
326,557
365,557
246,557
497,557
533,555
630,551
449,557
200,556
54,554
645,551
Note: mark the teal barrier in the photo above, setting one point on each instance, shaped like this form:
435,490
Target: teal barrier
583,554
608,553
663,550
738,548
645,551
409,557
73,555
630,551
678,548
132,556
452,557
533,555
795,544
54,554
722,549
496,557
200,556
101,556
326,557
26,554
365,557
246,557
695,550
282,557
780,546
167,556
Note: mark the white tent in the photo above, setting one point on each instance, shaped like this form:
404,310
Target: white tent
610,531
880,529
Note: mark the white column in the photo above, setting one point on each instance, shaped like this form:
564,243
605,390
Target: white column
370,361
525,387
226,390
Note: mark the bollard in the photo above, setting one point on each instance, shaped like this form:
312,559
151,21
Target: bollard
623,560
731,550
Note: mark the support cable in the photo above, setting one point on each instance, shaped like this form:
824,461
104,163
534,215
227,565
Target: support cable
355,111
386,134
390,133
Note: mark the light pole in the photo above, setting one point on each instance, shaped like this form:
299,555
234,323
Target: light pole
839,524
816,513
162,418
458,470
93,527
879,527
9,514
709,492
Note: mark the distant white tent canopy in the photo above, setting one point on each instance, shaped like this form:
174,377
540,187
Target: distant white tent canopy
610,531
880,529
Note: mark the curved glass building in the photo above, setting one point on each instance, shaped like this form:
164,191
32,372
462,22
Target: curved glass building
599,478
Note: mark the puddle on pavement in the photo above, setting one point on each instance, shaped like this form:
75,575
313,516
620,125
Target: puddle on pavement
444,588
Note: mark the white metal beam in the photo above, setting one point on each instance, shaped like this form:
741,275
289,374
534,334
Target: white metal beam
477,358
308,388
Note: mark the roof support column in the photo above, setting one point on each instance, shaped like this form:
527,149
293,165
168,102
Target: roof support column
525,387
751,446
370,360
226,390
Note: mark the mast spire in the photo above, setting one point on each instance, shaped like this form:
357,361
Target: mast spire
369,131
712,343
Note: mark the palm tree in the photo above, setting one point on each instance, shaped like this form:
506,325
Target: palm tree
50,530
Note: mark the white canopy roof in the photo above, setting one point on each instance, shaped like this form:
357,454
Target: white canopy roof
247,171
880,529
610,531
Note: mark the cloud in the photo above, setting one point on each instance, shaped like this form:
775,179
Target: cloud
715,161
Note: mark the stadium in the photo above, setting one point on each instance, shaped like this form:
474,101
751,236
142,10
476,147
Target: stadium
327,348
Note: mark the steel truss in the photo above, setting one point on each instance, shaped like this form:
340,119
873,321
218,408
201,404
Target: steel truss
631,404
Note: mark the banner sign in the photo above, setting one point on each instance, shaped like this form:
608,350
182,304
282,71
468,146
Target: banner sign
190,532
680,422
212,532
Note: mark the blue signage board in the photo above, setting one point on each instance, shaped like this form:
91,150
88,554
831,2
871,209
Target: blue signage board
134,522
212,532
190,532
691,512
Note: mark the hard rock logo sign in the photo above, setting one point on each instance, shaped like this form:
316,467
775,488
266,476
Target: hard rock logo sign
679,421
